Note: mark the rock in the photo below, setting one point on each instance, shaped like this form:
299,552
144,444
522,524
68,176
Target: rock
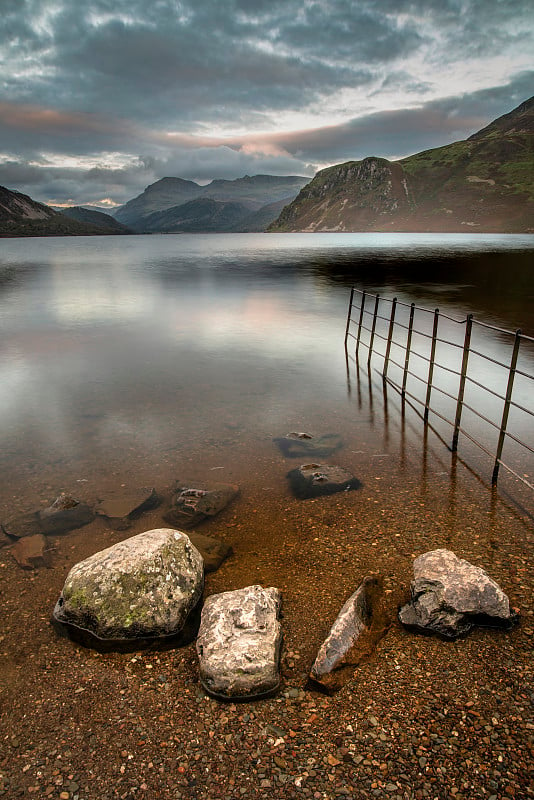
30,552
450,595
23,525
121,507
143,588
314,480
239,643
359,625
212,550
64,515
304,445
194,503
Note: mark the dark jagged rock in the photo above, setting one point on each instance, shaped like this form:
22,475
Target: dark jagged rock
314,480
121,507
192,504
142,589
64,515
360,624
304,445
30,552
450,596
212,550
239,643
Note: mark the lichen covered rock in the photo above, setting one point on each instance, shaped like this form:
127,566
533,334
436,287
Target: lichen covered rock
239,643
142,588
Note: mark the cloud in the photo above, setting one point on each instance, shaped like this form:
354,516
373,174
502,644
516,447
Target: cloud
203,89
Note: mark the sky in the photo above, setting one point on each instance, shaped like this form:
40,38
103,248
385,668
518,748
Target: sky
100,99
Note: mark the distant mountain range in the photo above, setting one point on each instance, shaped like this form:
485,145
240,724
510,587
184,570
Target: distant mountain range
485,183
174,205
22,216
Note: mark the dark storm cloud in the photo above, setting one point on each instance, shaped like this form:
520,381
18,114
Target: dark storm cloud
90,80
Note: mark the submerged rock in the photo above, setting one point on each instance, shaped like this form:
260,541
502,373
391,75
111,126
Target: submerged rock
359,625
142,588
304,445
450,595
314,480
212,550
22,525
64,515
119,508
30,552
239,643
192,504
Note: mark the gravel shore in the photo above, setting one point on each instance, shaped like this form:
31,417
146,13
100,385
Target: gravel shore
423,718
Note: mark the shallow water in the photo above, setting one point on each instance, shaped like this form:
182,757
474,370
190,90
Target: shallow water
129,359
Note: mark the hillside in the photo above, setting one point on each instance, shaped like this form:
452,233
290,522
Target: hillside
485,183
202,215
22,216
252,193
92,216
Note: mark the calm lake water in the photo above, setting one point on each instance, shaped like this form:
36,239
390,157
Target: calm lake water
135,360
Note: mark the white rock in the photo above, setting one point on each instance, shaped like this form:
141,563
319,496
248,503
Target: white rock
239,643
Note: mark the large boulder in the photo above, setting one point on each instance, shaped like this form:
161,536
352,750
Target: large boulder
450,595
352,638
239,643
315,480
142,588
193,503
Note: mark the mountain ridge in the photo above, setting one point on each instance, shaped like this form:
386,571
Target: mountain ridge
484,183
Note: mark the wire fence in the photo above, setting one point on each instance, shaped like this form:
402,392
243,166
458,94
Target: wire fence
438,364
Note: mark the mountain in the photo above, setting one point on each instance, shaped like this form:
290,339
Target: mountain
22,216
485,183
252,193
93,216
202,215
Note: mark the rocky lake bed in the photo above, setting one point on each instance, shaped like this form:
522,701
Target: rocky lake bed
419,717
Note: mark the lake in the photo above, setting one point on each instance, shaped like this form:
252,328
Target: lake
130,362
135,360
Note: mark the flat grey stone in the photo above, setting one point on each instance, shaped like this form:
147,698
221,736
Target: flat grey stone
299,444
450,595
239,643
142,588
122,506
22,525
359,625
315,480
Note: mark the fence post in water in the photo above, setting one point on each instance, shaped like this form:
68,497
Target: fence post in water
506,409
349,316
371,341
431,364
362,307
390,335
463,376
408,346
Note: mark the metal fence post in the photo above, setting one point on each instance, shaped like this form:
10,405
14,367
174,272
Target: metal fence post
408,346
371,341
506,409
349,316
431,364
362,307
463,376
390,334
